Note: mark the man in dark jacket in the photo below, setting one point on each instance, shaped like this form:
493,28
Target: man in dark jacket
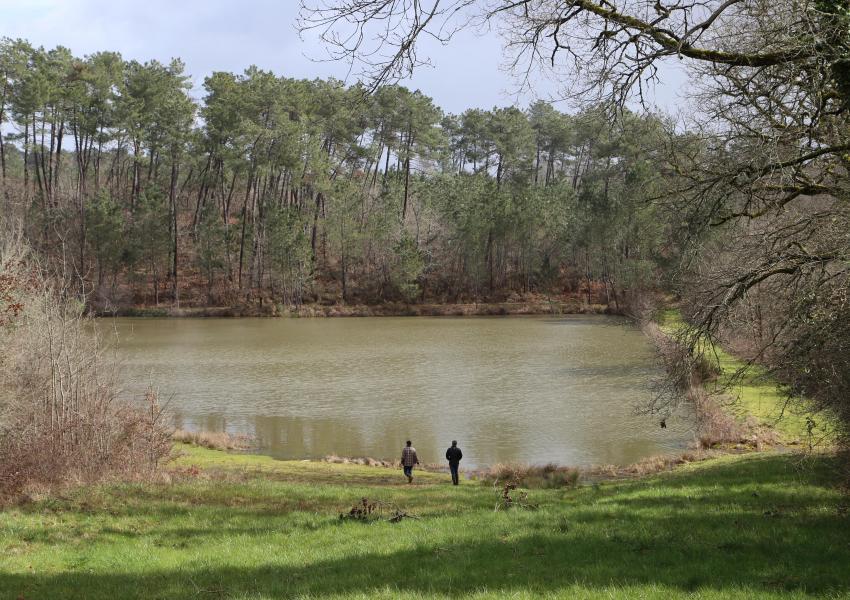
453,455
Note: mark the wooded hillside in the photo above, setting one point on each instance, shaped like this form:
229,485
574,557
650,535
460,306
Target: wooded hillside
276,191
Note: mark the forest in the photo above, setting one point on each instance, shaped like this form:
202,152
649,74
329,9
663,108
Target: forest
269,191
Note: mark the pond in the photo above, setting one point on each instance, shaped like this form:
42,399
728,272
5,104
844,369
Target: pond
509,389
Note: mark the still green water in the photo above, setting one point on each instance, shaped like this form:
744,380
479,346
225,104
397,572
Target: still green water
527,389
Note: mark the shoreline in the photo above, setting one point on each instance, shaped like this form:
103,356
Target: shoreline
391,309
587,474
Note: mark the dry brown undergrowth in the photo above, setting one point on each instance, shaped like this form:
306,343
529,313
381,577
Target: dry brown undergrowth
62,417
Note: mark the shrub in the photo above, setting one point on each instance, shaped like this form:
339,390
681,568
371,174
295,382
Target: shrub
61,416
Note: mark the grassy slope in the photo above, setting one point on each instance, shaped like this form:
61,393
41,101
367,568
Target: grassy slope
749,526
758,395
754,393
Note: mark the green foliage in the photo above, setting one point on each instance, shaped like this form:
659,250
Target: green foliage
150,241
289,253
408,267
105,227
211,246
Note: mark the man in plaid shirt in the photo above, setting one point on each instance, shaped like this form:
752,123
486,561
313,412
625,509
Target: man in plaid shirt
408,459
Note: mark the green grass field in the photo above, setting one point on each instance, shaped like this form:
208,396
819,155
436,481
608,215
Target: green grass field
239,526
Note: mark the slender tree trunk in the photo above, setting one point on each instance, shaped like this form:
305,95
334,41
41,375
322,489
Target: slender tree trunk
537,165
172,206
48,177
2,116
315,225
386,168
38,161
406,188
377,158
26,164
58,163
244,226
201,194
134,194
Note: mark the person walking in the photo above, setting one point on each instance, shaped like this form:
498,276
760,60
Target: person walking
453,455
408,459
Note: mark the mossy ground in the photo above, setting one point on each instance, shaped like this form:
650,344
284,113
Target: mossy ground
241,526
751,392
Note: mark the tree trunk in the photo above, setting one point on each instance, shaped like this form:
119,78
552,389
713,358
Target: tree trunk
315,225
244,227
172,201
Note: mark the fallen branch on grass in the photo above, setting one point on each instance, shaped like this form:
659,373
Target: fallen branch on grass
374,510
506,501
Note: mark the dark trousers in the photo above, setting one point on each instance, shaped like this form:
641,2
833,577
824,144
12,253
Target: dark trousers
453,468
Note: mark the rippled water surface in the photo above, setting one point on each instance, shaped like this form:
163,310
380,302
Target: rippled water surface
529,389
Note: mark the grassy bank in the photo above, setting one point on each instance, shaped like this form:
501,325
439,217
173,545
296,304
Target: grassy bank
748,392
236,526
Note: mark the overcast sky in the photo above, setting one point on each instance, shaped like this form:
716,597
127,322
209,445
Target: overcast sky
228,35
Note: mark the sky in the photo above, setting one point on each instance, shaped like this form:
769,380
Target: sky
230,35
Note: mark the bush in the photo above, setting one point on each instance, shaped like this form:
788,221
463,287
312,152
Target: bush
61,417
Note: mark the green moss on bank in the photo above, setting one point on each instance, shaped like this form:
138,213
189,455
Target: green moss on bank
237,526
758,395
754,394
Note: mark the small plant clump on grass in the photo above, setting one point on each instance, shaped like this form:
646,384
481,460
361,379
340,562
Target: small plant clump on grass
508,500
214,440
547,476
